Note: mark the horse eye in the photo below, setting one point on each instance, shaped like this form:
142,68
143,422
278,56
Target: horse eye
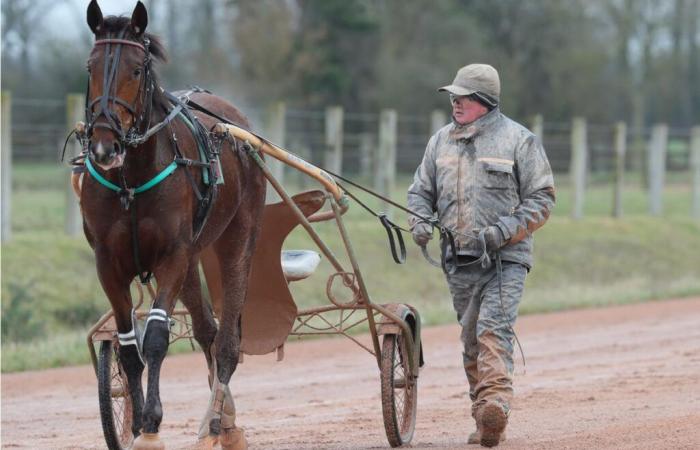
137,73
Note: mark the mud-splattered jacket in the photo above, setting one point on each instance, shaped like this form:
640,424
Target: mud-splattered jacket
490,172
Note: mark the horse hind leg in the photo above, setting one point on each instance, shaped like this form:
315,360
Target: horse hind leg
203,324
204,329
235,258
218,425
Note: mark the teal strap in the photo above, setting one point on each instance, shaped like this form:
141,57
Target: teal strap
100,179
157,179
154,181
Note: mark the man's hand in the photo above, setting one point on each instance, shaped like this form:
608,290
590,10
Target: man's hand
494,238
422,233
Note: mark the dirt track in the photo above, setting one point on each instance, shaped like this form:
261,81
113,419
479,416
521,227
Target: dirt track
622,377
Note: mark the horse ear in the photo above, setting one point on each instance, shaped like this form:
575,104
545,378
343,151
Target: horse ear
94,17
139,19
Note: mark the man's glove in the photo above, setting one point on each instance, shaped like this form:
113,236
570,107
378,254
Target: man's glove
494,238
422,232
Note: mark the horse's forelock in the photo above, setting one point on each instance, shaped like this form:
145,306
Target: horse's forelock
113,25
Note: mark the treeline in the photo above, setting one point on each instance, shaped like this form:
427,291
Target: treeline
632,60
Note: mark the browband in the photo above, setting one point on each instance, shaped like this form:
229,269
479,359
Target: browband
121,41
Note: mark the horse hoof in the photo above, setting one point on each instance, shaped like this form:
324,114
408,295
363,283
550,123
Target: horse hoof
233,439
207,443
148,441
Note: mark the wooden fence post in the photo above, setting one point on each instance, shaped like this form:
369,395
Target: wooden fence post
385,166
275,124
438,119
657,167
333,160
6,166
538,126
695,167
366,151
75,112
577,170
620,150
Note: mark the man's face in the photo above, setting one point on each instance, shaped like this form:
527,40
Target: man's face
466,110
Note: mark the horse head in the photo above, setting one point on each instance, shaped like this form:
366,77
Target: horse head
121,83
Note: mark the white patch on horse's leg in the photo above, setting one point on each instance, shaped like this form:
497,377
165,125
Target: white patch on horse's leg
228,415
214,408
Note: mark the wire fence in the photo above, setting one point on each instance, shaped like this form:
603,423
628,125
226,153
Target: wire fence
380,146
39,129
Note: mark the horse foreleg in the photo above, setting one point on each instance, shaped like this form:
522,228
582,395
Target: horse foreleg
117,289
156,340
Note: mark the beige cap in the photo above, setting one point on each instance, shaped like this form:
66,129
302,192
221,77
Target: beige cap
475,78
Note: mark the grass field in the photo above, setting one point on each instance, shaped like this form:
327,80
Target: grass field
50,291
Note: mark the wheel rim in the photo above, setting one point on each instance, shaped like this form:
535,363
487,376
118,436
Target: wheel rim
403,390
121,403
399,390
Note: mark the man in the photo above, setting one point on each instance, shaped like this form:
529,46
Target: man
484,174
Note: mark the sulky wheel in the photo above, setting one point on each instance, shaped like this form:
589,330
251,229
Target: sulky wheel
399,391
114,398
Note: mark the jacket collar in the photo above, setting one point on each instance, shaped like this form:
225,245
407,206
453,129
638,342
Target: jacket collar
481,125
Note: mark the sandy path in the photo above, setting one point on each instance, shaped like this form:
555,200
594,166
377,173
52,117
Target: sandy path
620,377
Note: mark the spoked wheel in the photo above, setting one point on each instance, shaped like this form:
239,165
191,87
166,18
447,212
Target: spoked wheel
399,391
114,398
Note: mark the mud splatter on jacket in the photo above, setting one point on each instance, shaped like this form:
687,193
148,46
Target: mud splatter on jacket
490,172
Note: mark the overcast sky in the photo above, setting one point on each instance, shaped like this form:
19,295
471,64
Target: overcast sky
67,19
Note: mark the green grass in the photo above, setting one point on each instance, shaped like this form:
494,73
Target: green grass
51,295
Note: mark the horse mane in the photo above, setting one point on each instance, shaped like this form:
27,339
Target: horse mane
113,25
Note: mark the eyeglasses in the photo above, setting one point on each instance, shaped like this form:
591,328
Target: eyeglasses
477,97
455,98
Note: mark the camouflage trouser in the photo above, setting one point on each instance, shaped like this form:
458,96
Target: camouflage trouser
486,335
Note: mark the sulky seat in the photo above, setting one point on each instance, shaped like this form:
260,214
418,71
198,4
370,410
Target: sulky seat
269,311
299,264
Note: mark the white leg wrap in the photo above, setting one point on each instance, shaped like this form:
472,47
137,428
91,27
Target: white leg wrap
156,314
127,338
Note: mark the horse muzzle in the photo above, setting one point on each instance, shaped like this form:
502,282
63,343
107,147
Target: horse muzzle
107,153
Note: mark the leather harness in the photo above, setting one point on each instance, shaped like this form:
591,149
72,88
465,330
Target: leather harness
140,131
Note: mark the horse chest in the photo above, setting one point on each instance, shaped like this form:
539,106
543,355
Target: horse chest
113,230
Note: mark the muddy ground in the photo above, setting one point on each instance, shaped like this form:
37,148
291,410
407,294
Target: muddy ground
621,377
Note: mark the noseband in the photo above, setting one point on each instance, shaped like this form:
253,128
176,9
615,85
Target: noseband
100,106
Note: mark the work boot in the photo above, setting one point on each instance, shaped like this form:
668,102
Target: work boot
492,421
475,437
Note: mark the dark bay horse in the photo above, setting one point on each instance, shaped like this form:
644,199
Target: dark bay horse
147,208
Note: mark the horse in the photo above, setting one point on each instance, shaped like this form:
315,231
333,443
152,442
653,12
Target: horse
147,209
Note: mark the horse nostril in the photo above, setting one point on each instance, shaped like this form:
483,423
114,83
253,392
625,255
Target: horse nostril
117,148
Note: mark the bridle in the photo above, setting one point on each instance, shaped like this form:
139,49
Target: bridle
100,106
